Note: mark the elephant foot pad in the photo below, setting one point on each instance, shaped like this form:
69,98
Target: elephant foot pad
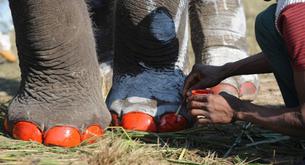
63,136
139,121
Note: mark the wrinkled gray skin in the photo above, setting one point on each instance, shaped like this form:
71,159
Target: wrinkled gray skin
61,82
60,76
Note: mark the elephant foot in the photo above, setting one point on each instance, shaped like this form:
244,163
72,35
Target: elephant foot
59,126
63,136
148,101
60,99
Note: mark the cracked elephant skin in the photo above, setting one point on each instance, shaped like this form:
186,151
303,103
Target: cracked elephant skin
60,99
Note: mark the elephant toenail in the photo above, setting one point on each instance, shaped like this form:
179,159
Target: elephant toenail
171,122
27,131
139,121
62,136
92,133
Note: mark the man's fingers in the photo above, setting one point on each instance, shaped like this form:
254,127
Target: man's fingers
197,105
203,121
190,80
198,85
201,98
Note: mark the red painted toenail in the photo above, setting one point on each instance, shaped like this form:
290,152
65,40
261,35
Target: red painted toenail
139,121
92,132
171,122
27,131
115,119
247,88
62,136
201,91
223,87
5,125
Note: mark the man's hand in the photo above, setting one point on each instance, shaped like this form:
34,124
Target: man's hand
212,109
203,76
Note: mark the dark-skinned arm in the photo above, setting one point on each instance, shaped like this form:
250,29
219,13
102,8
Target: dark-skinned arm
256,64
288,121
224,108
205,76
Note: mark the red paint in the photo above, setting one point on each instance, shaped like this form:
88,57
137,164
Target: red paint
139,121
171,122
201,91
115,119
62,136
27,131
92,132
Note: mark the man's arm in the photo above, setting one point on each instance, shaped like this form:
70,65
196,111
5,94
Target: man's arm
205,76
288,121
224,108
256,64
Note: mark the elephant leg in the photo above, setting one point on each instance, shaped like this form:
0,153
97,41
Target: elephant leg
219,36
59,101
103,21
150,62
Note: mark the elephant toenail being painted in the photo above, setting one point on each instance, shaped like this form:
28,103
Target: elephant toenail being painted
141,62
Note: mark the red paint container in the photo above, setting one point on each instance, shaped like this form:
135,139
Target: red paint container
201,92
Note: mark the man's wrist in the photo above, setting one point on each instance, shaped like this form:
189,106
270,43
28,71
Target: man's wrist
227,70
240,109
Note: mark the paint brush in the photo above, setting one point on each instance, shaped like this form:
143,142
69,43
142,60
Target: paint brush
180,106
